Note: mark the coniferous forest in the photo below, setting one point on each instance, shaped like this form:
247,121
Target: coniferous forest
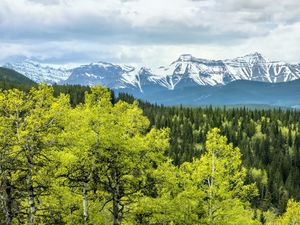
79,155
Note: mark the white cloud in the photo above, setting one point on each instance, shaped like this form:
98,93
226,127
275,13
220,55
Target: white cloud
148,32
280,44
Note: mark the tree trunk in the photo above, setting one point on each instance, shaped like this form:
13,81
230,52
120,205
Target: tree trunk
31,196
85,204
8,203
7,199
211,185
116,200
32,208
116,212
71,206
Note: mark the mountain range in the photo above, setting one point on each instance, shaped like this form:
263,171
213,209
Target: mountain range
38,72
187,70
187,80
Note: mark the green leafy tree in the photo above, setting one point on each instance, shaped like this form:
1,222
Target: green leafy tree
223,182
11,106
176,199
82,138
290,217
109,151
209,190
29,125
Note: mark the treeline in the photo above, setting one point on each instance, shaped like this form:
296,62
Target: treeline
100,160
76,92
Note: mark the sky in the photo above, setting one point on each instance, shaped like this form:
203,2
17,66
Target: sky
147,32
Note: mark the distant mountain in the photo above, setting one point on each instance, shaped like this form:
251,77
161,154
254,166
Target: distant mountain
107,74
40,73
11,77
250,79
240,92
185,71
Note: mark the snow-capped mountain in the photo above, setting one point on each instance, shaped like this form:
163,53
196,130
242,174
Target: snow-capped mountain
107,74
40,73
256,68
185,71
253,67
190,69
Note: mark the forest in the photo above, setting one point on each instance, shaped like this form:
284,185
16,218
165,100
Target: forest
79,155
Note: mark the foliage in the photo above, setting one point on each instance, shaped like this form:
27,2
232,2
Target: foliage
75,155
269,141
290,217
29,126
209,190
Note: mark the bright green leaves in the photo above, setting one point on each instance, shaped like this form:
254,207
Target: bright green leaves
223,185
290,217
108,152
100,163
29,127
209,190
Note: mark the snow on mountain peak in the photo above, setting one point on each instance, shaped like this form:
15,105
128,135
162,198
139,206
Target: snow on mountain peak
40,72
255,54
187,70
185,57
252,58
101,64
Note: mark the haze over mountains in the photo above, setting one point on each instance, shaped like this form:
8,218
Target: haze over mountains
187,80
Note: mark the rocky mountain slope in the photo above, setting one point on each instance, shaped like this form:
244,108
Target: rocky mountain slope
184,72
40,73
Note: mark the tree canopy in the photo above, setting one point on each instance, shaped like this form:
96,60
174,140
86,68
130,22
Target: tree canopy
100,160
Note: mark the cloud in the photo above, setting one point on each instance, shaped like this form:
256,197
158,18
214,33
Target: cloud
46,2
143,31
281,43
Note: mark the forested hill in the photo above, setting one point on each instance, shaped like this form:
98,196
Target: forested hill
10,79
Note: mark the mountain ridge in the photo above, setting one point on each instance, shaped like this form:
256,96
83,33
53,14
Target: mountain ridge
187,70
239,92
38,72
13,77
